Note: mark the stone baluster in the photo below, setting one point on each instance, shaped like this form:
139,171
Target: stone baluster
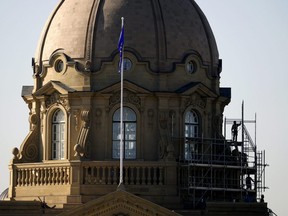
61,176
144,177
137,175
57,176
86,174
65,175
160,175
132,180
41,176
45,176
26,177
97,175
105,175
22,171
18,172
38,177
126,175
68,175
34,177
102,175
30,176
155,176
93,178
115,175
149,175
65,179
53,175
19,176
49,176
110,174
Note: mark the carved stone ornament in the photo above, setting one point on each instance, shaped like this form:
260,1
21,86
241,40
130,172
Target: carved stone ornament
33,119
15,152
196,101
163,120
76,117
29,151
56,99
85,117
128,97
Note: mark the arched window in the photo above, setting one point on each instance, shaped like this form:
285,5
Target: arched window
191,131
129,134
58,135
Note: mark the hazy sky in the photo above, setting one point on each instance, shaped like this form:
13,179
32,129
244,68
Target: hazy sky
252,38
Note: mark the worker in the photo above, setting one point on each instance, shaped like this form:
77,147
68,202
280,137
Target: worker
249,181
234,130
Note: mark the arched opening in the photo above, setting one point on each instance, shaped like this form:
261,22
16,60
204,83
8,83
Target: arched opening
58,135
129,133
191,147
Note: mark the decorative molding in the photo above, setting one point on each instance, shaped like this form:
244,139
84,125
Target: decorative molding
128,97
76,117
195,100
55,98
120,203
29,151
82,146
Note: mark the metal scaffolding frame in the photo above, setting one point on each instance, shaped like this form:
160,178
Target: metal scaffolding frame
223,169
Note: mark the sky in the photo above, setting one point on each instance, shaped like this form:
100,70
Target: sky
252,39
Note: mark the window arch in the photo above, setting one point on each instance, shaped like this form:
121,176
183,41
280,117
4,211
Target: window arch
129,133
191,132
58,135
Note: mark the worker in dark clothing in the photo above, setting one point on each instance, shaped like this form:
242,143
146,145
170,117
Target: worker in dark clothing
262,198
249,181
234,130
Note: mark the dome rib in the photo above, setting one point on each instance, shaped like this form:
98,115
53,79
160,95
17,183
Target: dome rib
90,30
160,33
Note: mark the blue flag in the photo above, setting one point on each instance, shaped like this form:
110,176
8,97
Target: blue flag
121,46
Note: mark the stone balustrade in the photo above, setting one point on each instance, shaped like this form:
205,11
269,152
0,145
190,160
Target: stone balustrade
134,173
42,174
91,173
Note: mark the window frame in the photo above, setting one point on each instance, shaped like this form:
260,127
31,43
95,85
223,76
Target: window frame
191,134
127,123
58,135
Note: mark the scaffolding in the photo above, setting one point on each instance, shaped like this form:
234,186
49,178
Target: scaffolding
223,169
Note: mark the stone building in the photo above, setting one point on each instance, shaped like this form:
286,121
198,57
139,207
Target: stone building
176,159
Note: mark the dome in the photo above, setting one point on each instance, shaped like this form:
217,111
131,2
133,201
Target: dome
4,194
160,33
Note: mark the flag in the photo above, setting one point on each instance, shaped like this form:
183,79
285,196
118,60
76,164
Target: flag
121,45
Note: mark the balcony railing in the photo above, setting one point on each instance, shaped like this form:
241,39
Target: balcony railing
90,173
134,173
41,174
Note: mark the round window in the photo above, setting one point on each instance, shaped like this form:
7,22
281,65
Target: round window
127,64
59,66
191,67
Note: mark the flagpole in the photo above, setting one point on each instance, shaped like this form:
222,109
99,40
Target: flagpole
121,110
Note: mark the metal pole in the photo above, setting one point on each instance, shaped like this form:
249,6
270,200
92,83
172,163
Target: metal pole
121,111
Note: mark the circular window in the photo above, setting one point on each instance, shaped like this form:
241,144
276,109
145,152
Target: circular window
59,65
127,64
191,67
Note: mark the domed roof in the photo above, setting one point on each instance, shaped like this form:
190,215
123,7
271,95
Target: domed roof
161,33
4,194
